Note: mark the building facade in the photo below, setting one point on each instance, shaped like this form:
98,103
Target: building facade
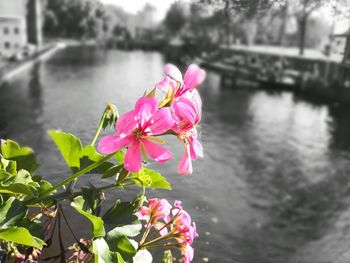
20,25
13,35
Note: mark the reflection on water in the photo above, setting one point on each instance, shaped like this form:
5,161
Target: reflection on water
273,186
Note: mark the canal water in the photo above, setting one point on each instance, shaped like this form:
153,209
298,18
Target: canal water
273,185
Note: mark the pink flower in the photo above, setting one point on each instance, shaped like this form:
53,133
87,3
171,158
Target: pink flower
187,252
135,130
187,110
184,225
193,150
165,84
157,209
80,251
33,257
171,223
194,76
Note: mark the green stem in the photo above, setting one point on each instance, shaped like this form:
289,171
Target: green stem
72,178
164,246
161,238
97,132
63,195
166,225
143,186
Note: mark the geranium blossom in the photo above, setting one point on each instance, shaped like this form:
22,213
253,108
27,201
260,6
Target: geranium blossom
187,114
170,222
186,106
157,209
194,76
136,130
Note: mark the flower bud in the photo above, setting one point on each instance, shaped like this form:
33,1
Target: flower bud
110,116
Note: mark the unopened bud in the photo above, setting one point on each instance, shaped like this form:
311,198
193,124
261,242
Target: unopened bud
110,116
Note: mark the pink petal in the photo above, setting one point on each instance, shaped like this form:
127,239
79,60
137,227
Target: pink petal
196,148
196,98
187,113
126,123
163,232
164,84
158,226
178,204
110,144
158,153
185,165
161,122
184,219
189,253
143,213
194,76
192,233
146,108
132,161
164,207
173,72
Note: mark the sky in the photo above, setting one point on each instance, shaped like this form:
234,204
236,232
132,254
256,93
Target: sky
132,6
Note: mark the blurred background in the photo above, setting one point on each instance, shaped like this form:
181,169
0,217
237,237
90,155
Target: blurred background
273,185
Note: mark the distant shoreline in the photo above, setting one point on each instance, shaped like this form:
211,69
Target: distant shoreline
12,69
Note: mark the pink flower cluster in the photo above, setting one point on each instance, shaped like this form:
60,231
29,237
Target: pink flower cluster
32,258
179,112
171,223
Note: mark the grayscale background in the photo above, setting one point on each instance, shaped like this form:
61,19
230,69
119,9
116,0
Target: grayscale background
273,186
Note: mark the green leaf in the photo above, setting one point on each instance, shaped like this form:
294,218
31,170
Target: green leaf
120,259
33,226
103,254
24,156
98,229
44,185
69,146
4,175
130,230
92,200
22,236
118,241
123,173
119,213
8,165
12,212
151,179
21,183
89,155
122,245
22,177
119,156
112,171
18,189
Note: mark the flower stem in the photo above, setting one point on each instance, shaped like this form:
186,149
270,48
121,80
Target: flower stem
161,238
97,132
71,178
164,246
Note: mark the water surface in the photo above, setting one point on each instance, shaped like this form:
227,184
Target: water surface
273,185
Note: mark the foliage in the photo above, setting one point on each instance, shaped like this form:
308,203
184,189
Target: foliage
33,211
176,17
78,18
